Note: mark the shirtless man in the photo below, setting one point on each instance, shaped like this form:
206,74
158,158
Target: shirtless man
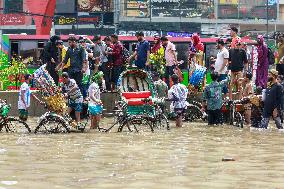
247,92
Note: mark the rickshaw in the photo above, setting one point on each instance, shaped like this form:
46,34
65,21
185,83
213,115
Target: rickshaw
56,119
232,113
11,124
138,105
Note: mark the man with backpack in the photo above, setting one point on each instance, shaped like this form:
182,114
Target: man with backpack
262,63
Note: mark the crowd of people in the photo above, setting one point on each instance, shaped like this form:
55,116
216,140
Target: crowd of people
233,69
88,66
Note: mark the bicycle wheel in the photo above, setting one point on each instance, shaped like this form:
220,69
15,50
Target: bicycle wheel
238,120
137,123
162,122
52,124
192,113
84,122
196,103
15,125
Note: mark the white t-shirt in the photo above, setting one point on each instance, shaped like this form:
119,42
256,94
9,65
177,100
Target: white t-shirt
94,90
221,56
169,56
25,89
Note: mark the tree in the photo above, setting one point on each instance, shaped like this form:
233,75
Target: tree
14,74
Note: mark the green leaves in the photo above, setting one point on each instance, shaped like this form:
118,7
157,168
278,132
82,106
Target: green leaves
14,73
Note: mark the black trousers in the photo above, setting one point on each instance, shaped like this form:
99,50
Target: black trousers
107,77
168,73
78,77
280,69
51,70
214,117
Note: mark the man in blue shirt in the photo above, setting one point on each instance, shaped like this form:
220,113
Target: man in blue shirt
142,52
78,61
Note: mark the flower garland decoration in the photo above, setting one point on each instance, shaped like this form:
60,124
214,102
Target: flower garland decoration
157,60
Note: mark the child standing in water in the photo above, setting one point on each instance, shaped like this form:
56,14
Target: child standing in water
95,103
178,94
25,98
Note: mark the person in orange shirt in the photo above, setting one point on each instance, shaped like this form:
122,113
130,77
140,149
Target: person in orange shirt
235,37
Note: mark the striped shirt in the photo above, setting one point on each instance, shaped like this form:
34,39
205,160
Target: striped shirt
76,95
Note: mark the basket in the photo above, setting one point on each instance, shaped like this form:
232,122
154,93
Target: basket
56,103
255,100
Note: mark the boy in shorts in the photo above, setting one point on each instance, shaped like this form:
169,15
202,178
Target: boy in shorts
25,98
95,103
71,91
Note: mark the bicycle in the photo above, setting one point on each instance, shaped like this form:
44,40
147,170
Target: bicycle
11,124
59,122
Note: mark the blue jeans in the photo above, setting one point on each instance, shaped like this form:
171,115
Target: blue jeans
265,121
116,71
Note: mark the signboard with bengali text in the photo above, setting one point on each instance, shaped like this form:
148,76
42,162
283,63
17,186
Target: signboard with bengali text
12,19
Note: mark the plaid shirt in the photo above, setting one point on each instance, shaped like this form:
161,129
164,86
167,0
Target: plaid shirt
213,94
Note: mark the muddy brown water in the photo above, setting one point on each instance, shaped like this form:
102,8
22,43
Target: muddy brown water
188,157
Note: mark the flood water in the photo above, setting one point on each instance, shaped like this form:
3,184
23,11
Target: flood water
188,157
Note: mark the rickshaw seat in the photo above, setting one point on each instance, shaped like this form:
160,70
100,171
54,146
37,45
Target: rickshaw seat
140,94
137,98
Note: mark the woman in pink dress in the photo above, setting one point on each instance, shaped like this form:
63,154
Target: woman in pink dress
262,64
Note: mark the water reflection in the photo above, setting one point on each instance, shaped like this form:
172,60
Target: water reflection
189,157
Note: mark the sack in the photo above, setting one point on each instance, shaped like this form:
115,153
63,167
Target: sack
125,54
271,57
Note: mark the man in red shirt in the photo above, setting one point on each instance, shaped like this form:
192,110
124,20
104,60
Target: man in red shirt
117,54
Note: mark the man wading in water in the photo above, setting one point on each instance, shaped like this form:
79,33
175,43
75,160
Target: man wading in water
272,98
178,94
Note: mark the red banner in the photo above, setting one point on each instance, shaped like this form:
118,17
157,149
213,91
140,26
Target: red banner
12,19
44,7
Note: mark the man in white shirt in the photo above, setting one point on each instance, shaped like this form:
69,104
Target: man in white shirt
221,62
171,58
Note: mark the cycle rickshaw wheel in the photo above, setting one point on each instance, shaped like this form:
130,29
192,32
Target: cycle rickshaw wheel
162,122
238,120
52,124
192,113
14,125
